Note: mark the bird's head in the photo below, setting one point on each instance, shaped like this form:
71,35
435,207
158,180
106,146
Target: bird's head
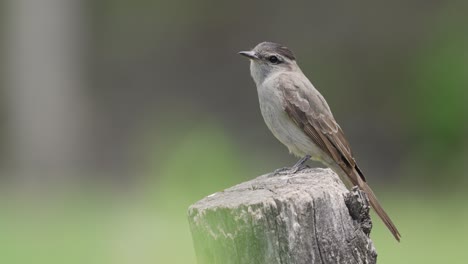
268,58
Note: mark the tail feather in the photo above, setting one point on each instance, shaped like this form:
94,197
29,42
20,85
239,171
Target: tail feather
379,210
354,176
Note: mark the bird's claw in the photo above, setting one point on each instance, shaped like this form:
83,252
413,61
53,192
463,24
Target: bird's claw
297,169
280,171
288,170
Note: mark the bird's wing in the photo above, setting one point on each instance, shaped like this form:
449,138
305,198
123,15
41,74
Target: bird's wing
309,110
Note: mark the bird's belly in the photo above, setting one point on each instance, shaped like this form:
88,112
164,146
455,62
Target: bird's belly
287,132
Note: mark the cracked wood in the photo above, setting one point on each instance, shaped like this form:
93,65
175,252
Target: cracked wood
307,217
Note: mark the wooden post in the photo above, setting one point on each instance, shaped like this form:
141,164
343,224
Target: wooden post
307,217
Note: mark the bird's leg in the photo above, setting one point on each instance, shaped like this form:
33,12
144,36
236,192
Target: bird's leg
294,169
300,164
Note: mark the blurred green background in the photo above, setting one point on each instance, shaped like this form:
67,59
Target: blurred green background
115,116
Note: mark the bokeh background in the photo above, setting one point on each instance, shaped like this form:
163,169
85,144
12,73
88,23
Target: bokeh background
116,115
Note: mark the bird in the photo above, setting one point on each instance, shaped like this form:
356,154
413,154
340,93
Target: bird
300,118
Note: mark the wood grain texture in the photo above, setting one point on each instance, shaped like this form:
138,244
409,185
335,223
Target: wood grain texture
307,217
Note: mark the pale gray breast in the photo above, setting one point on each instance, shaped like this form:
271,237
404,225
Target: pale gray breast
278,121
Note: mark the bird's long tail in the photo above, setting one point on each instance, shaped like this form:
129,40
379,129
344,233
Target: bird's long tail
379,210
354,176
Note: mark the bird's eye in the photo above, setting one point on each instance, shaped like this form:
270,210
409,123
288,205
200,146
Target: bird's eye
273,59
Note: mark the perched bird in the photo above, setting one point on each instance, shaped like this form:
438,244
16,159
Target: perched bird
300,118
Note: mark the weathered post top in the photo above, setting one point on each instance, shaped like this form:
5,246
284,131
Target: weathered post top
307,217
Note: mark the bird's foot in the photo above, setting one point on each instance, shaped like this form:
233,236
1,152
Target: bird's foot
280,171
300,165
288,170
296,169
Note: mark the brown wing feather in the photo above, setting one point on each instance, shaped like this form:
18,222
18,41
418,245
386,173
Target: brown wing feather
321,128
318,123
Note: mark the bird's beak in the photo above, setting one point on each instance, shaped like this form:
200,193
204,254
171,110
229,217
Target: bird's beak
249,54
